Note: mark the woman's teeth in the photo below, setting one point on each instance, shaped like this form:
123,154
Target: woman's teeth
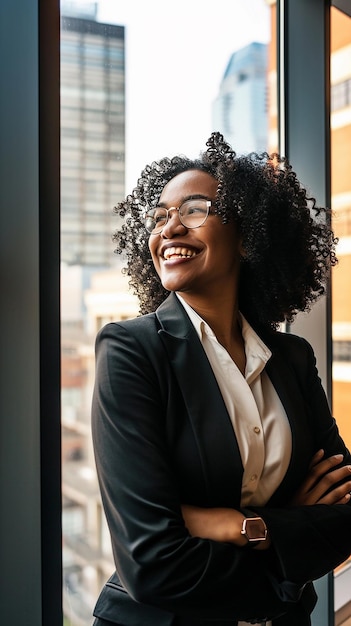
178,253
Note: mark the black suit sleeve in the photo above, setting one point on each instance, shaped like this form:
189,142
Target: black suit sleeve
311,540
323,424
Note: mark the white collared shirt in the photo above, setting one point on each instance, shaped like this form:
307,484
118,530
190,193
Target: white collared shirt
258,417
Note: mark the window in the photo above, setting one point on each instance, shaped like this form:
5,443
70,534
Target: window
29,426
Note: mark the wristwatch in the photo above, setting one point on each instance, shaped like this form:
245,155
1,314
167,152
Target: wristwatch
253,528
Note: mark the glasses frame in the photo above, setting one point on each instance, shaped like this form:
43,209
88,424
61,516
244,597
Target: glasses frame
209,204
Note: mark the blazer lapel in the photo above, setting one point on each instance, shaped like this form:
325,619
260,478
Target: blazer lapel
285,383
211,423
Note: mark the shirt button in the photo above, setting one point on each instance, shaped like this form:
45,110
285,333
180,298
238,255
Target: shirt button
257,430
253,477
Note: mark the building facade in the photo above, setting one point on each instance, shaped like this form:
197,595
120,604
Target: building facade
240,109
340,122
92,137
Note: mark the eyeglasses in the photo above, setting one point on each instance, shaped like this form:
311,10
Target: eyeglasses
192,214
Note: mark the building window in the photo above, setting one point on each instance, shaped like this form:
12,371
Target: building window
342,350
341,95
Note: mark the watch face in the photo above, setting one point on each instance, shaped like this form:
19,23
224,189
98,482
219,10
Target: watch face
254,529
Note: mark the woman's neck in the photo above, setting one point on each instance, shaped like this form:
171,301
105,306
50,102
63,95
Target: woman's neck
222,315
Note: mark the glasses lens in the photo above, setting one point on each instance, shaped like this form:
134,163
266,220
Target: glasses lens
155,220
193,213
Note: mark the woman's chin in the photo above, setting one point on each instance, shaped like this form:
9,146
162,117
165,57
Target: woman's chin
173,283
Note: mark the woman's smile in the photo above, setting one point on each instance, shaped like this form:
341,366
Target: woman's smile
171,252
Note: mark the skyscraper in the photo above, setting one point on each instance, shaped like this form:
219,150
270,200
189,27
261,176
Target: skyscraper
240,109
92,136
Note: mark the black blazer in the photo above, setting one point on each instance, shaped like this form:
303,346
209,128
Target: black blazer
162,437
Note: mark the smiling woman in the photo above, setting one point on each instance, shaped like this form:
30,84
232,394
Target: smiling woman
215,447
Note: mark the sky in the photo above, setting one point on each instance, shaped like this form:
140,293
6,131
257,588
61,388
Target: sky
176,55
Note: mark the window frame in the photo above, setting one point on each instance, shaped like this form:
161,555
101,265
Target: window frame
30,436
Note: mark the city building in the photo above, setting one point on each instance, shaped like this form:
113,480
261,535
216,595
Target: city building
92,134
340,122
240,109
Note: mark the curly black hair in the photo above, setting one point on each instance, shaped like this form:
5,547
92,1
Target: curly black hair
289,246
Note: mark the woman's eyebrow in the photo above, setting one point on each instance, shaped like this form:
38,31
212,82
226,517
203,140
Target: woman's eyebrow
194,196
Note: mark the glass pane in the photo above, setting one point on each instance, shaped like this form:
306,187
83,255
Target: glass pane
135,88
341,292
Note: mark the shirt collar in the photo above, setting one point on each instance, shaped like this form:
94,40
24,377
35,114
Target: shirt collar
257,353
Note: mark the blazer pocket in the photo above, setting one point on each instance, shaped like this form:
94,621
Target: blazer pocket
116,605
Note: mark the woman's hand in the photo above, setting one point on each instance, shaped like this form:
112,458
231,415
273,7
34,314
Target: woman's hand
218,524
322,478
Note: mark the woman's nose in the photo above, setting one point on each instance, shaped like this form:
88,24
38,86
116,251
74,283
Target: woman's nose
173,225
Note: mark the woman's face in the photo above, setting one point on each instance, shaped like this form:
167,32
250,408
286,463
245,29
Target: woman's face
200,260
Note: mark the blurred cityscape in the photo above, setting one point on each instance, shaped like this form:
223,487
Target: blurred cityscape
94,290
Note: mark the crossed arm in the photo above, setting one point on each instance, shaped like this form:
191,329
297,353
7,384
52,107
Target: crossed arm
321,486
